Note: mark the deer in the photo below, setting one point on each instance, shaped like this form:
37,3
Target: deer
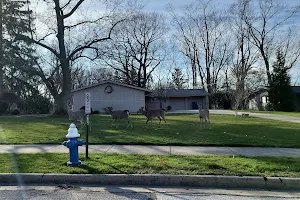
159,113
77,116
119,114
203,114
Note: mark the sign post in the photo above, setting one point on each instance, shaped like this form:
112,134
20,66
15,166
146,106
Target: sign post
87,112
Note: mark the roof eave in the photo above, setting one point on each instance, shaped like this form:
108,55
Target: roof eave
110,82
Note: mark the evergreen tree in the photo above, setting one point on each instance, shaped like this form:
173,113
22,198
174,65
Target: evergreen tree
281,94
178,79
15,56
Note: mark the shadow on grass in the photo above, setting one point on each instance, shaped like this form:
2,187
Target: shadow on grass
94,170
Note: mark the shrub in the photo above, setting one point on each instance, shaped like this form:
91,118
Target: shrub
169,107
3,107
269,107
220,100
15,112
83,108
9,97
36,105
96,112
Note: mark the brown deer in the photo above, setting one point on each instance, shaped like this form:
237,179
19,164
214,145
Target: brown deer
77,116
119,114
203,114
159,113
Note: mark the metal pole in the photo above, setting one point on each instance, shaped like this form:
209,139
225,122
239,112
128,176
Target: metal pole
87,138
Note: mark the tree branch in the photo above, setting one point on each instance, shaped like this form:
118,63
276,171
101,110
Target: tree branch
73,10
85,22
94,41
66,4
26,38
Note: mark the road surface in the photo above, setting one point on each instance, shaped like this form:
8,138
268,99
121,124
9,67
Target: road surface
67,192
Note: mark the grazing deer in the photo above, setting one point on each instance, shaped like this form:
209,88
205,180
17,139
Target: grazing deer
119,114
77,116
159,113
106,110
203,114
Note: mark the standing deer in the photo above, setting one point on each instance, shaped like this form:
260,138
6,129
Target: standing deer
203,114
77,116
159,113
119,114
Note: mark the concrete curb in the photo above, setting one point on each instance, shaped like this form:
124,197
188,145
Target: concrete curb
153,180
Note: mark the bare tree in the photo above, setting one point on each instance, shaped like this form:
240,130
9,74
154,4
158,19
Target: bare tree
244,57
204,40
178,79
290,46
67,46
160,93
137,49
82,77
265,19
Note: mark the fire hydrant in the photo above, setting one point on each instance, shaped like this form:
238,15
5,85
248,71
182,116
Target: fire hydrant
73,144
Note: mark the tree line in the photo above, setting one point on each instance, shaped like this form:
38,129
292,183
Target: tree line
50,47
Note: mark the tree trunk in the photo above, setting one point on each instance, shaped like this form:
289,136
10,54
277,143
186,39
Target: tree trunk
60,104
62,99
1,48
1,76
267,68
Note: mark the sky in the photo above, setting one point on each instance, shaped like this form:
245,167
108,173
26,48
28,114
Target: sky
160,6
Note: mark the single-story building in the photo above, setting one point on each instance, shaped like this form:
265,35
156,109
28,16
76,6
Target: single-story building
260,99
127,97
179,99
296,90
109,93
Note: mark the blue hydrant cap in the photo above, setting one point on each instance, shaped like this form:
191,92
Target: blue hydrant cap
72,132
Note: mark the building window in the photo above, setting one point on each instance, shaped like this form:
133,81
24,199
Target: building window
265,99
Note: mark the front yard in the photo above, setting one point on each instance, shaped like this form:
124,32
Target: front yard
225,130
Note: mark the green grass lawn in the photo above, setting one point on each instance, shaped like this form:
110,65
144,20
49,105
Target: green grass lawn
153,164
226,130
294,114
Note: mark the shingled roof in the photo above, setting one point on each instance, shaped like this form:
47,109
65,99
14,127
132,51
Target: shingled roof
111,82
296,89
186,93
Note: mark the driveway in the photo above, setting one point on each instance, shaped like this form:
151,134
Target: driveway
230,112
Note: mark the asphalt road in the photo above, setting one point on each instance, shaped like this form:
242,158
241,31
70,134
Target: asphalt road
66,192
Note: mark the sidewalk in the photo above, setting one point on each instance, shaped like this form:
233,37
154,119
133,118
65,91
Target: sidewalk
159,150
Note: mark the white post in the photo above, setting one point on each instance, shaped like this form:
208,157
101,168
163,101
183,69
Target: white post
87,103
87,112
